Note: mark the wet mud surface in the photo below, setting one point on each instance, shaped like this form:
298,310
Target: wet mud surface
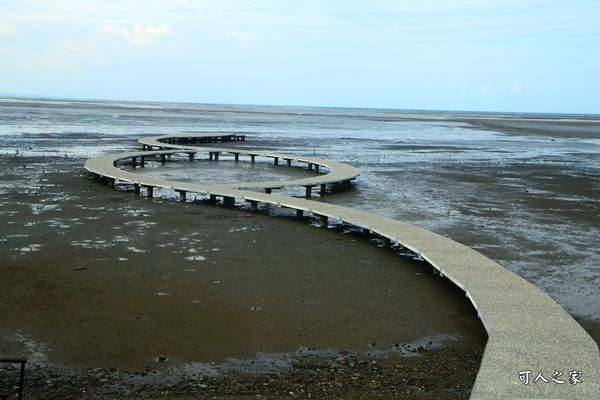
111,295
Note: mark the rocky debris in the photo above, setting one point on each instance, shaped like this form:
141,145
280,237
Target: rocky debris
445,373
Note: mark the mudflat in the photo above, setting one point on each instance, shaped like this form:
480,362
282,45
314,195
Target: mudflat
110,295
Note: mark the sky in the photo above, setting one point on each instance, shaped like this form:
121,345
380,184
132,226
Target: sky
480,55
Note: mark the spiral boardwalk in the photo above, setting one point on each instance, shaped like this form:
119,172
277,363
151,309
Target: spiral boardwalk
533,343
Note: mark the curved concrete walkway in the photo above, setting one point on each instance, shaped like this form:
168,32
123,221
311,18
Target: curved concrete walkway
528,332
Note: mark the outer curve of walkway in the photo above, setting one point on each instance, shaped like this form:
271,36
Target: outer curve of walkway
528,332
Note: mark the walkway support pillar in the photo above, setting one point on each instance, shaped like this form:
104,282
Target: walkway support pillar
276,160
150,191
299,213
323,189
212,199
237,156
136,189
308,191
191,156
182,195
163,158
289,162
323,221
268,190
252,158
253,205
228,201
142,161
134,162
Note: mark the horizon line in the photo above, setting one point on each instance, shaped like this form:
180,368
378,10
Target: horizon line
90,99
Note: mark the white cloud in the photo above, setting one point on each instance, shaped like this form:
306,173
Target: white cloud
243,36
6,30
115,30
140,35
